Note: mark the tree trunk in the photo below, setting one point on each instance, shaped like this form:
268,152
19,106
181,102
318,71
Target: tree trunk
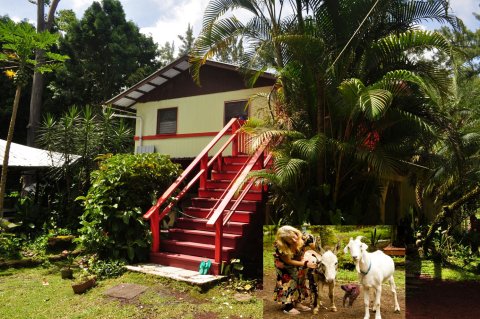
35,103
3,181
38,78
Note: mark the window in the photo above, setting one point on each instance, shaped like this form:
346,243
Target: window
235,109
167,121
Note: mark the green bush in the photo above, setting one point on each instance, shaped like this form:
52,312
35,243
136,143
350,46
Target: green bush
104,269
10,246
123,189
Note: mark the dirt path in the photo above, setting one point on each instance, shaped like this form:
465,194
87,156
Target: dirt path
437,299
272,310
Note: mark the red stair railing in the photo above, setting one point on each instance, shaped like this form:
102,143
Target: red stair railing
217,217
237,139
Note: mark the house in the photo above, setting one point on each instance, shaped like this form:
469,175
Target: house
175,116
222,219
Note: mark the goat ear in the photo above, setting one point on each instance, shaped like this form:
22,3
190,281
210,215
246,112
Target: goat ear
337,248
318,243
345,250
359,238
364,247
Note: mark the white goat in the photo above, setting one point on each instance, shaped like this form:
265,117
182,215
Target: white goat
373,269
324,274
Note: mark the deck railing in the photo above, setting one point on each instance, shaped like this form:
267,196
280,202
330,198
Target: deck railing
237,140
219,215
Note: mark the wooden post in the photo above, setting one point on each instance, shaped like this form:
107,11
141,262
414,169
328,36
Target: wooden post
218,240
155,228
204,166
235,128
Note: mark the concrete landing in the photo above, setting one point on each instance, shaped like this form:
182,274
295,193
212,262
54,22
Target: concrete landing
190,276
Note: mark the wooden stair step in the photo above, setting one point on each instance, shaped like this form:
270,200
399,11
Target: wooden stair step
201,224
195,249
238,166
203,236
245,205
224,175
223,184
236,159
217,193
182,261
239,216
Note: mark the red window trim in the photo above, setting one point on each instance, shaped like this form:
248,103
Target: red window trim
170,136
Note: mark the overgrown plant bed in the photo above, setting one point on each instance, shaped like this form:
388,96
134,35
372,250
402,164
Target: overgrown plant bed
36,260
41,293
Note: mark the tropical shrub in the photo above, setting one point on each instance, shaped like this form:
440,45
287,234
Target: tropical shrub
123,189
87,132
104,269
10,246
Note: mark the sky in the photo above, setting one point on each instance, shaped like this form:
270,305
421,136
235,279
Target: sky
164,20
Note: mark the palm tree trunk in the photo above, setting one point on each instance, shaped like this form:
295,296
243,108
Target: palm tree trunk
11,128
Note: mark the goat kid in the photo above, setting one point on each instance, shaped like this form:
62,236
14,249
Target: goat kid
324,274
373,269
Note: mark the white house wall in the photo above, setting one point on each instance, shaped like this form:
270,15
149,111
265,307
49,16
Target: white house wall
196,115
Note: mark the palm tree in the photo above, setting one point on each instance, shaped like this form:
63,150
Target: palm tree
357,96
20,41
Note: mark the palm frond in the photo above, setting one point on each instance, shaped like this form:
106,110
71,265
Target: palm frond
310,149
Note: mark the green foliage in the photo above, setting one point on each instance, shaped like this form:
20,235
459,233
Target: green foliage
20,41
359,115
123,189
107,52
374,239
10,246
104,269
187,41
86,132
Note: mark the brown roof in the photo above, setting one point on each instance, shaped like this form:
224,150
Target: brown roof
141,90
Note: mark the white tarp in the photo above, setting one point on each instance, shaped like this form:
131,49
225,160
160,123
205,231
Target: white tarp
25,156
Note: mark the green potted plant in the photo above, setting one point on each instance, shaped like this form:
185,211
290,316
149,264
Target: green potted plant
66,271
83,282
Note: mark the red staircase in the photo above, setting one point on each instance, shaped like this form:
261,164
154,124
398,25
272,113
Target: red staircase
224,219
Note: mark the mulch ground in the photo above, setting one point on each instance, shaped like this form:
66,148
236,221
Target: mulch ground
273,310
436,299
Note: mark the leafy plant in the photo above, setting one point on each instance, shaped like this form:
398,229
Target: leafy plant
10,246
374,239
123,189
104,269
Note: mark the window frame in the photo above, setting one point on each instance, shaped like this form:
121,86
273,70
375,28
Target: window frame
234,101
159,123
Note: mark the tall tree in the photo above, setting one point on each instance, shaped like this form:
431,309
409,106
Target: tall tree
186,41
20,41
38,79
107,54
167,53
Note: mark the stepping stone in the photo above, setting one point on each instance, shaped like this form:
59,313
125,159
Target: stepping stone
125,291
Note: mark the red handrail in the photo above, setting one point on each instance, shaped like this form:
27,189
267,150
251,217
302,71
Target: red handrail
215,216
153,213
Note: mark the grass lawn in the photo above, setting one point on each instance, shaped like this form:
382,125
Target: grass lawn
435,270
25,296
